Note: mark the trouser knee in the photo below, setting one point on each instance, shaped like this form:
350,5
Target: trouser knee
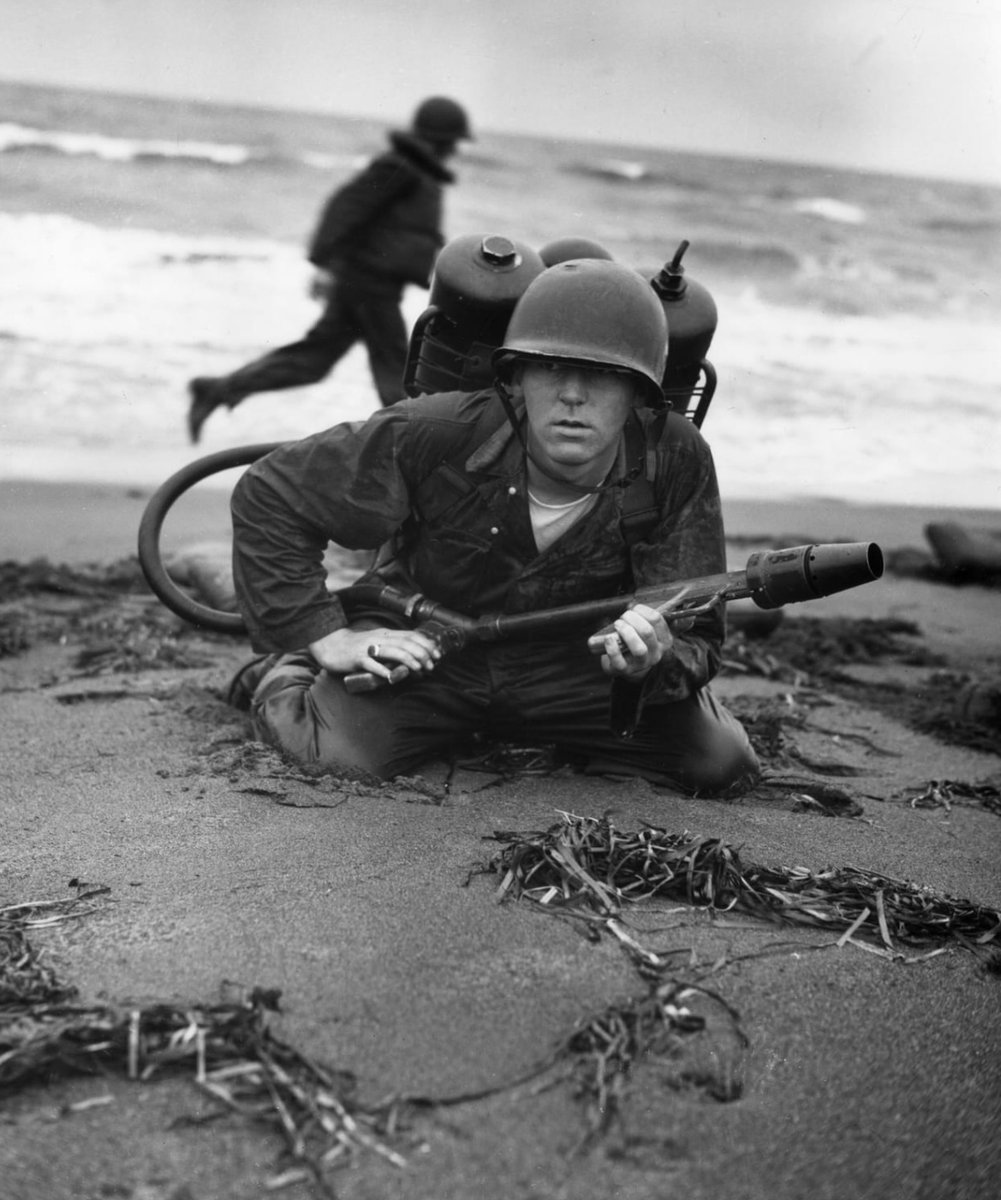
695,745
286,713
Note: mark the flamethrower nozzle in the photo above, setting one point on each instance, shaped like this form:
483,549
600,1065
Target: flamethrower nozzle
778,577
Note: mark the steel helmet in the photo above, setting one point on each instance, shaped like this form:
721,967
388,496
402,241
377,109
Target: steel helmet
564,248
440,119
590,311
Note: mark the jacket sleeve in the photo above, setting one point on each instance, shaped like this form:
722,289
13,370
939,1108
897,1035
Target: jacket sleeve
344,485
356,204
686,543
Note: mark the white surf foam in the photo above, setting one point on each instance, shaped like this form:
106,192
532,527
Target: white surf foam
104,328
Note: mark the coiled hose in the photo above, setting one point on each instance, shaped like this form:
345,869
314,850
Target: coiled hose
151,526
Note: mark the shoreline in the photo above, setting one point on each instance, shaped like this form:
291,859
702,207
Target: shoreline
78,522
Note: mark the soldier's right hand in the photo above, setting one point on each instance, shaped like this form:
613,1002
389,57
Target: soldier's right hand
378,651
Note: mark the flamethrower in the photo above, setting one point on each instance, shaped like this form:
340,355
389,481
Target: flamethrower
772,578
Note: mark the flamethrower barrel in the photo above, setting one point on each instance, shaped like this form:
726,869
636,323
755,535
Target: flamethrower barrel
778,577
697,592
771,579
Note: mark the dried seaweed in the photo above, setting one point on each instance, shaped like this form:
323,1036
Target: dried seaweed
25,979
233,1056
810,653
808,794
658,1028
949,793
259,762
938,708
228,1047
16,630
587,860
509,760
41,576
106,611
813,648
768,723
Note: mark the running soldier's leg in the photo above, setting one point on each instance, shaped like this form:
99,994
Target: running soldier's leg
377,312
299,363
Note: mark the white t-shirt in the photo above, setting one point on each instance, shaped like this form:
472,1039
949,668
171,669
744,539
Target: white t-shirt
551,521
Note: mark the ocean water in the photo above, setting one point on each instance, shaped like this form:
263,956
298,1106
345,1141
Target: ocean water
144,241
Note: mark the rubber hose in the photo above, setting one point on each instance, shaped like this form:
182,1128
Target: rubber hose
151,525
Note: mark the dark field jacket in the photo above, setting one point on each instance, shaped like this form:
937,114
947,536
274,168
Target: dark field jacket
443,478
386,221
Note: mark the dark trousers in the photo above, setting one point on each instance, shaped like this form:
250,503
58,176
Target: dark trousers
368,313
509,693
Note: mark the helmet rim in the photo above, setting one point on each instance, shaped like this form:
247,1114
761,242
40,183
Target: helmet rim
593,312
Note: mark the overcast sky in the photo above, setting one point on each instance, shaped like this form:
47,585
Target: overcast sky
912,87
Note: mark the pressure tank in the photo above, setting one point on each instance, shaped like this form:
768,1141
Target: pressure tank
563,249
689,379
477,281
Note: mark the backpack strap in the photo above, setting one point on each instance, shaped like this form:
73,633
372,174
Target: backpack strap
640,511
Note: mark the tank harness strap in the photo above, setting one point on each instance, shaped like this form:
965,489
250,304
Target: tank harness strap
640,511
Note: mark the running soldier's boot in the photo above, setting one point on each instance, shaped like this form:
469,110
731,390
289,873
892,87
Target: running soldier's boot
205,399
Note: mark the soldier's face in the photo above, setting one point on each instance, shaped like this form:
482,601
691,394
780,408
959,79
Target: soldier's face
575,414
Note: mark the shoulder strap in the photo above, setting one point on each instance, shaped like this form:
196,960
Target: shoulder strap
640,510
491,421
449,472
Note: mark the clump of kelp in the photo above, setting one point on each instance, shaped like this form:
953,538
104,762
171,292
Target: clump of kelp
227,1048
256,768
25,978
588,861
948,794
954,707
662,1028
817,648
106,612
588,870
40,576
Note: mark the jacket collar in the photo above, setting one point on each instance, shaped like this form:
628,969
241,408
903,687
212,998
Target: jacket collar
421,154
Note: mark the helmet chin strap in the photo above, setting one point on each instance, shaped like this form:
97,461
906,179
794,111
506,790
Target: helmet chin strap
518,426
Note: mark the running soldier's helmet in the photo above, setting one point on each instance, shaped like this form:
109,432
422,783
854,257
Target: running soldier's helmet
594,312
440,119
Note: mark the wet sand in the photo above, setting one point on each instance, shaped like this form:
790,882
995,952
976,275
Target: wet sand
861,1076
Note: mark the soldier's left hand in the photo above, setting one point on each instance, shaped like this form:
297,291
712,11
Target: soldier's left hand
642,637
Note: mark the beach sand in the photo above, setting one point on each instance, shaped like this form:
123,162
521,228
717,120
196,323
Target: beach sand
861,1075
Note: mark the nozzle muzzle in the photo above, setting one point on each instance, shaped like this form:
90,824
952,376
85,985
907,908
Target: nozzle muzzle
778,577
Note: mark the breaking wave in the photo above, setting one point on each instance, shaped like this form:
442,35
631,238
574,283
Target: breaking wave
16,138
